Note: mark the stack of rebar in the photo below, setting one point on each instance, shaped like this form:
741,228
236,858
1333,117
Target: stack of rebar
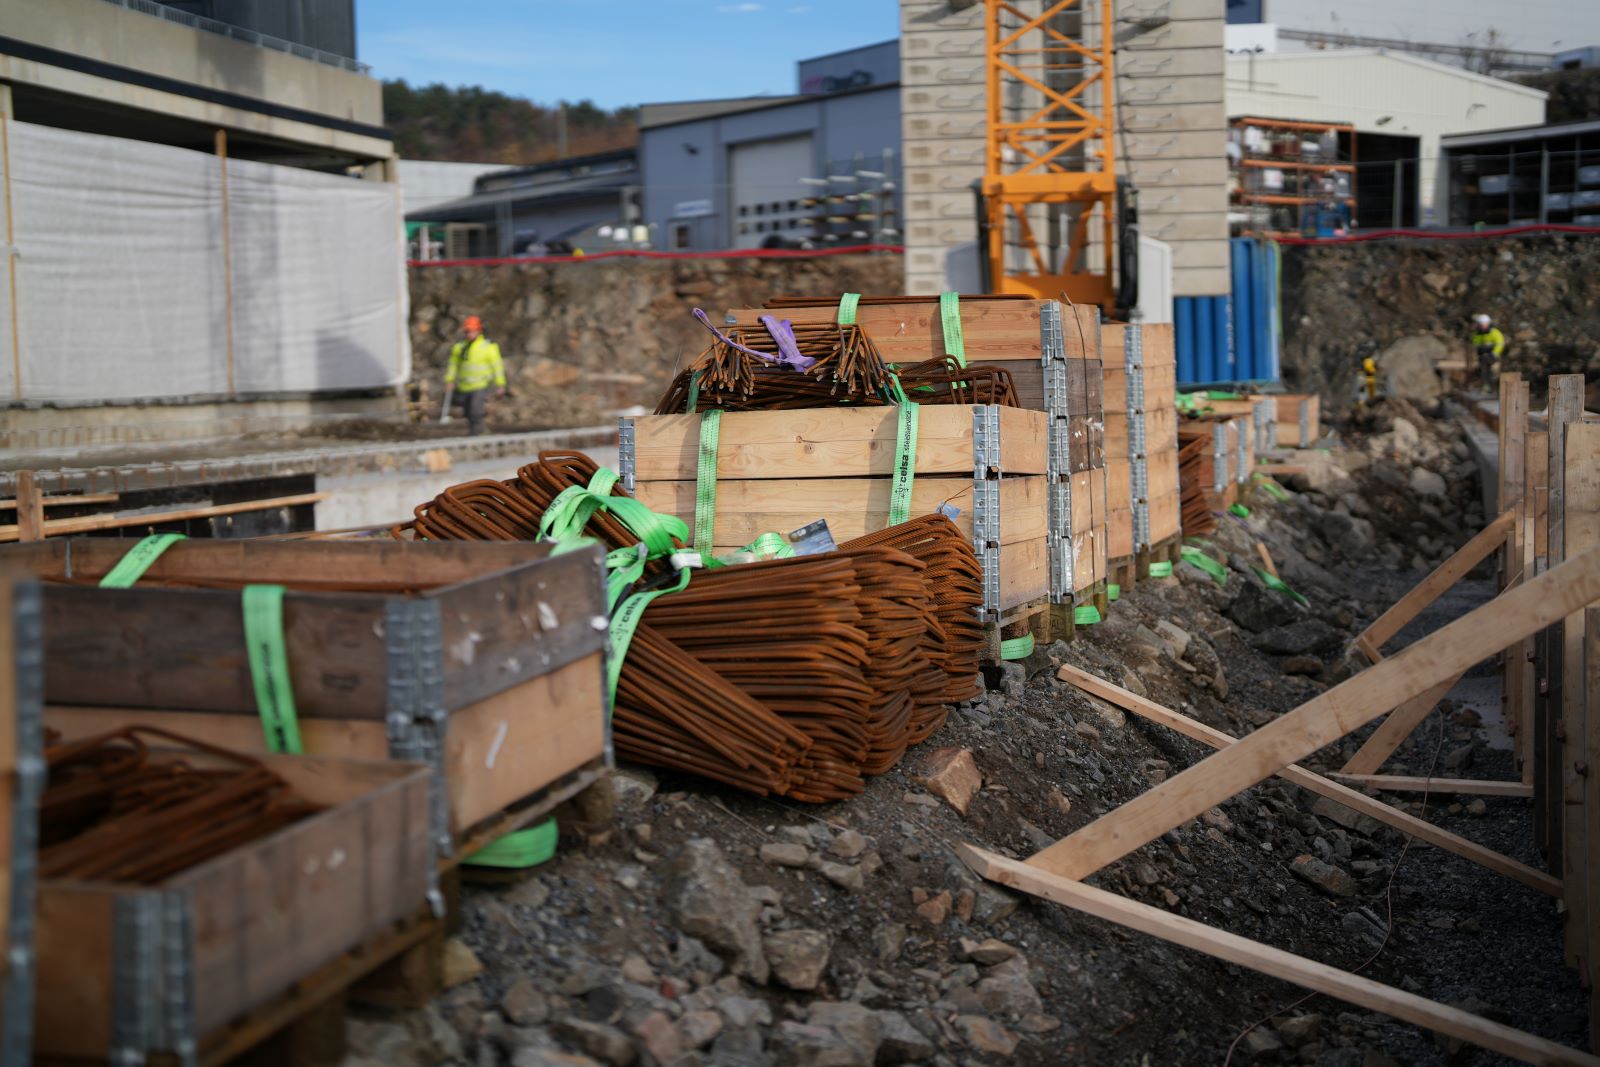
116,811
795,676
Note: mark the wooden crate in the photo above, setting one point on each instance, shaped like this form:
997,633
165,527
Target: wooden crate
493,674
1299,419
1140,374
21,778
130,971
779,470
1052,353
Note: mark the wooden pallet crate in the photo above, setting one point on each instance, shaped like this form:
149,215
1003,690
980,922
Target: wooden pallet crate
780,470
21,779
1299,419
1052,352
129,972
493,673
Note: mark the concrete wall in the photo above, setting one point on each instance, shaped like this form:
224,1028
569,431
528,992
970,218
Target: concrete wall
424,183
101,32
841,127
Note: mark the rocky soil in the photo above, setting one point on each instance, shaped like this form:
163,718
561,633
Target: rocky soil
684,925
581,339
1344,302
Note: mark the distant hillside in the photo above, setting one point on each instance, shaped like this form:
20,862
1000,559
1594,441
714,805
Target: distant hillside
471,124
1574,94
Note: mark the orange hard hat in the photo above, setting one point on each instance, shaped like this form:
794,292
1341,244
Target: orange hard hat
473,323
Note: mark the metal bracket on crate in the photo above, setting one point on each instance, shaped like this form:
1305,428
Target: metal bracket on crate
177,981
415,715
136,929
1220,475
627,456
986,502
1240,471
1059,498
1052,340
1138,444
1057,389
16,1011
1305,424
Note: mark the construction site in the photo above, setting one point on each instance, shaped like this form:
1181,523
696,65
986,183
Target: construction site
1073,537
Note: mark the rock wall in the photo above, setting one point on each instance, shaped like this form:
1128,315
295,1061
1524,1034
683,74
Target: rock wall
583,339
1342,302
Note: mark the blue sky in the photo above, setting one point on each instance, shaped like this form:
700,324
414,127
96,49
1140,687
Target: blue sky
613,52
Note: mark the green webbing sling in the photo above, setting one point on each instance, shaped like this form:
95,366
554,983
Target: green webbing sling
1017,647
269,667
520,848
950,321
847,308
131,567
705,483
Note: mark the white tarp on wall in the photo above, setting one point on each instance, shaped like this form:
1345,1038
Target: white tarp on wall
122,292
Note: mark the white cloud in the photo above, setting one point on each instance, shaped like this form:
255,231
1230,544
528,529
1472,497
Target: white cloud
739,9
798,9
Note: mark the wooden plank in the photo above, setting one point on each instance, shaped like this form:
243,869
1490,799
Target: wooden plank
1443,577
1353,799
1362,992
1535,492
73,946
831,443
1399,783
1580,533
67,500
909,332
852,506
1266,559
1165,515
1563,408
30,510
1591,815
58,527
1512,489
1393,731
1328,717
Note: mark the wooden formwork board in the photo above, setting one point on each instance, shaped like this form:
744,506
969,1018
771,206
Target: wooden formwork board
1299,420
243,927
21,780
1160,386
1160,428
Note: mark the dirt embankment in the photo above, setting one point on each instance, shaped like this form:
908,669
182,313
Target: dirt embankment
1343,302
698,927
581,339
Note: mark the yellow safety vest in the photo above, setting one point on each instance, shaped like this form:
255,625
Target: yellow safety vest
1493,337
474,364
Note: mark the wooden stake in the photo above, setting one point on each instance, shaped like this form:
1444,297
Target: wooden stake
1393,731
1565,407
1353,989
1356,801
1513,487
1580,533
1535,490
1266,559
1443,577
1397,783
30,509
1591,817
1328,717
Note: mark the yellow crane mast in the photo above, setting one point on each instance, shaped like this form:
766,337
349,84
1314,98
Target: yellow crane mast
1048,207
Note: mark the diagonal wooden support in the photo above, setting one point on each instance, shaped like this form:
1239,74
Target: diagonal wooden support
1425,592
1393,731
1328,717
1356,801
1472,787
1580,491
1353,989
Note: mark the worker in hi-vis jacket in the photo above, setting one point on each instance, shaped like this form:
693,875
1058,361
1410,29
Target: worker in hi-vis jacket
1490,344
475,365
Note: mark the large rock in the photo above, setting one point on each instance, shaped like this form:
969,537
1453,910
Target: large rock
952,774
798,957
1258,608
1351,537
1408,365
860,1027
902,1042
1426,483
1305,636
802,1045
708,900
1009,994
1325,876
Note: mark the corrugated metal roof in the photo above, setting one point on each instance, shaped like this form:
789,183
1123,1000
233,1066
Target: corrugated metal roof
1515,133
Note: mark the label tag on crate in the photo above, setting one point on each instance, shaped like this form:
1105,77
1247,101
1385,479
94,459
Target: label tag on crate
950,511
812,539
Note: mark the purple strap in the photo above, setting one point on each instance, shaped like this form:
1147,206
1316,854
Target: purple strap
788,355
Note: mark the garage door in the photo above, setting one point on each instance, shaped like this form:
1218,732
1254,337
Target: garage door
768,196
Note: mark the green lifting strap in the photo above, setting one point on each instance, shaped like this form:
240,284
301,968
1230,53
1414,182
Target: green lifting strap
1113,591
1197,558
131,567
1278,585
705,483
1161,570
905,464
624,621
950,321
694,393
269,667
1274,490
519,849
1239,510
847,308
1017,647
1085,615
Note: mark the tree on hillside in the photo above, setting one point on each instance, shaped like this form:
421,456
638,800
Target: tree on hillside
476,125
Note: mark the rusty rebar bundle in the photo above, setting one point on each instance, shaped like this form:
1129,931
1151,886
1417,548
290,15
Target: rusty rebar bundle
795,677
116,811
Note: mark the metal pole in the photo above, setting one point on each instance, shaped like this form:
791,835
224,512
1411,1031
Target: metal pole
1399,191
1544,180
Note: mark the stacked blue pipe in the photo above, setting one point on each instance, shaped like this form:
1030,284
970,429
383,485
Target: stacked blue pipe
1225,339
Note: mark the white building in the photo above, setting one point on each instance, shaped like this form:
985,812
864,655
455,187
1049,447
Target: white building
1400,106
